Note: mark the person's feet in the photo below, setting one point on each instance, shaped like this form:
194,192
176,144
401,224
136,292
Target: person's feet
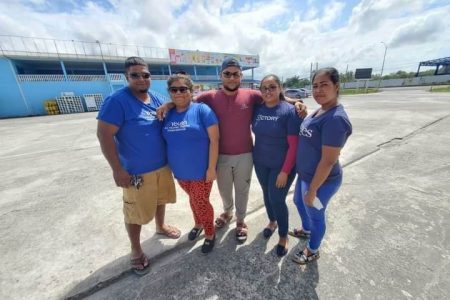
169,231
305,256
208,244
223,220
282,249
195,232
241,231
140,264
269,230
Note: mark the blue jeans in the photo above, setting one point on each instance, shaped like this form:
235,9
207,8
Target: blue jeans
313,220
275,198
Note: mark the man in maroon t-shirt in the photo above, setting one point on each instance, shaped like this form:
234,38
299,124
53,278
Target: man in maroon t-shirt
233,107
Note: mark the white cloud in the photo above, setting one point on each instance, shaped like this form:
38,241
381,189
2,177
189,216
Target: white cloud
288,40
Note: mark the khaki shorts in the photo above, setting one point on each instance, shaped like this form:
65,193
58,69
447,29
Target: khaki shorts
158,188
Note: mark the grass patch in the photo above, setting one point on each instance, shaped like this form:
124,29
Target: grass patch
440,89
357,91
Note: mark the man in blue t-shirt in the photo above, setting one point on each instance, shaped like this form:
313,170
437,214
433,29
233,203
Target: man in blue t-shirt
131,141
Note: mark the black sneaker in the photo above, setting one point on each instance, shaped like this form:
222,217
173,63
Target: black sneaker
208,245
194,233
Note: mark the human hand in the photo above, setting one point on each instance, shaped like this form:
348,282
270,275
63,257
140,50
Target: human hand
122,178
281,180
211,174
162,110
302,109
309,197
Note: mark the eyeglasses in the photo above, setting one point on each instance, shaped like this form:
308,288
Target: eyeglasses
181,89
140,75
270,88
231,74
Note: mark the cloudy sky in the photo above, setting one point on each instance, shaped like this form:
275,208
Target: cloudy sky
288,35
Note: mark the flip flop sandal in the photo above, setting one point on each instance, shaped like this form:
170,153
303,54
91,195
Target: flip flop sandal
223,220
140,265
241,232
299,233
302,259
171,232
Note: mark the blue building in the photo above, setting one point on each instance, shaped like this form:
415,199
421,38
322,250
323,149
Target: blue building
34,70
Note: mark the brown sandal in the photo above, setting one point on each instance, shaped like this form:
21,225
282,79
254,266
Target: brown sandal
241,232
223,220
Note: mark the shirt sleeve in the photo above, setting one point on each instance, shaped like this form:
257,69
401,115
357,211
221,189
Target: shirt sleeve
335,132
293,122
112,112
208,117
289,161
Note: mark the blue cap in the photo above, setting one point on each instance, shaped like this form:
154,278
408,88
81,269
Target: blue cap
230,62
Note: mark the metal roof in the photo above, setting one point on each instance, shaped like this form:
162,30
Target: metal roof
436,62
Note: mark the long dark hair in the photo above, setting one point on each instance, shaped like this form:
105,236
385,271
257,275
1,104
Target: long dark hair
278,81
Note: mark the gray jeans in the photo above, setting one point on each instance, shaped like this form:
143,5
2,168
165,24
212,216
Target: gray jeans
235,171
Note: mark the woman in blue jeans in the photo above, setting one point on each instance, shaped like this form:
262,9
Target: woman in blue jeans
323,134
276,128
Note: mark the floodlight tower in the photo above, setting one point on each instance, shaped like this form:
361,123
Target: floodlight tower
382,66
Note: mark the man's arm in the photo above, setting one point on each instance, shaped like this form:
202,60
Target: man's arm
105,134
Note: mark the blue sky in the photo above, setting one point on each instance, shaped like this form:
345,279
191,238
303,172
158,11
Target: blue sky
288,35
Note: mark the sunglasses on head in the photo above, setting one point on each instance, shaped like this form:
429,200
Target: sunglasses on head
139,75
270,88
176,89
231,74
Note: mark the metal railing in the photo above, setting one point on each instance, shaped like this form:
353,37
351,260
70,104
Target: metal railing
41,77
44,47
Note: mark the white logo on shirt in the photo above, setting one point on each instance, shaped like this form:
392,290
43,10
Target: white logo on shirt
304,131
177,126
266,118
244,106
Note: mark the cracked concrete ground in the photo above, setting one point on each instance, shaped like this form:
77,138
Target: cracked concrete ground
388,227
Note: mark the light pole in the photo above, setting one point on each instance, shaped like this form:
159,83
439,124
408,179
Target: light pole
382,66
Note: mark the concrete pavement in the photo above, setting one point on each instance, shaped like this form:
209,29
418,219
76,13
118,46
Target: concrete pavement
62,233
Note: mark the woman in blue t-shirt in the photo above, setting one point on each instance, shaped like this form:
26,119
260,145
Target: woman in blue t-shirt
276,128
322,136
191,132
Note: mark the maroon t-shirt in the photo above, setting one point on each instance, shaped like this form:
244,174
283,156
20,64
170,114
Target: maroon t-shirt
235,117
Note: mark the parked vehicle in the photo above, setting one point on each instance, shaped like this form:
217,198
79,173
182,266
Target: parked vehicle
295,93
307,92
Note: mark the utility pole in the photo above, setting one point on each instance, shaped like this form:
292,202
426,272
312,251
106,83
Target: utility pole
382,66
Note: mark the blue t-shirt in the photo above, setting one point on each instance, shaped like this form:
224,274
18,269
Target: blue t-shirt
331,128
188,141
140,145
271,126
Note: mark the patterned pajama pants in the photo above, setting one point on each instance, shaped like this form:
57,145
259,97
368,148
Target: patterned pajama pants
199,191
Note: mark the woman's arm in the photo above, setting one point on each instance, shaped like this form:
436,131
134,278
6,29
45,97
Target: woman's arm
330,156
289,161
213,134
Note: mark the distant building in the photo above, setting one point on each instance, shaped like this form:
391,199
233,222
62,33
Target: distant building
35,70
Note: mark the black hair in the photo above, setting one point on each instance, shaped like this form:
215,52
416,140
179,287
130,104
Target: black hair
134,61
278,81
331,72
176,77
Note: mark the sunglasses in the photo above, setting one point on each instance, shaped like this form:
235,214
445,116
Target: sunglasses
231,74
181,89
270,88
139,75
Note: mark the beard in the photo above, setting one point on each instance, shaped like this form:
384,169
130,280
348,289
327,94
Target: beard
143,91
231,89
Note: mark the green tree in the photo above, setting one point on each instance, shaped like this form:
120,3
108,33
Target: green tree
296,82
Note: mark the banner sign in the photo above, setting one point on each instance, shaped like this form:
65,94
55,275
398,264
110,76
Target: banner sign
187,57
